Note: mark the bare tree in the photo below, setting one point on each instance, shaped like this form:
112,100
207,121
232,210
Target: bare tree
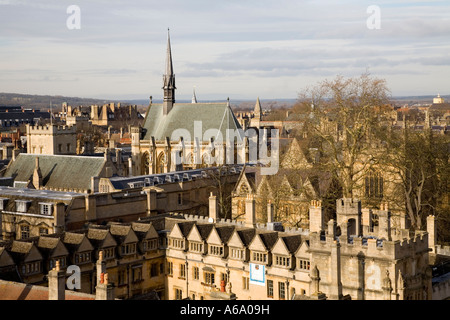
417,161
344,114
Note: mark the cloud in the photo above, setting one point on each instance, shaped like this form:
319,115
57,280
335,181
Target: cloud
121,44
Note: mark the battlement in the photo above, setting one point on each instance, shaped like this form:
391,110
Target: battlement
345,205
51,129
371,245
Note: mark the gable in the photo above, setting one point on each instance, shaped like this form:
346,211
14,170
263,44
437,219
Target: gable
194,235
243,186
176,232
5,258
257,244
33,255
235,240
131,237
151,233
214,238
109,241
60,250
302,251
85,245
280,248
308,190
294,158
265,184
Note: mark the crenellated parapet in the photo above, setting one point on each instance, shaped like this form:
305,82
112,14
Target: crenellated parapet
51,129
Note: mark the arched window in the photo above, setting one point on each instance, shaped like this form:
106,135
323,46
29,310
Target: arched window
374,185
146,162
160,166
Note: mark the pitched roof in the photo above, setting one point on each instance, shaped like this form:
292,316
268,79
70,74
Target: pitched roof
225,232
216,116
58,171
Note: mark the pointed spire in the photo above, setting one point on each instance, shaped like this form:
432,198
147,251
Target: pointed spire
168,80
169,65
194,98
257,110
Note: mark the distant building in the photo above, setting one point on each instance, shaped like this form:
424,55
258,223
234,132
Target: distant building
438,100
15,116
51,139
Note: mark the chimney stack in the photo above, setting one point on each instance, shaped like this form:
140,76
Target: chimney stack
213,207
316,216
104,290
384,222
56,283
431,229
101,266
250,214
270,212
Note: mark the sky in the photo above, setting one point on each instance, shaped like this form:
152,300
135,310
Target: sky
241,49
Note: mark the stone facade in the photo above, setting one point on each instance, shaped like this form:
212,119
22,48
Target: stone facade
51,139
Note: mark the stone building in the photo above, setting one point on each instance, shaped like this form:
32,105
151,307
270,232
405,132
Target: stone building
51,139
26,213
187,256
179,136
262,263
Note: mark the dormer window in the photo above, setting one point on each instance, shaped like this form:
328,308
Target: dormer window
83,257
282,261
216,250
150,244
129,248
196,247
303,264
176,243
3,202
236,253
108,253
62,262
46,209
22,206
259,257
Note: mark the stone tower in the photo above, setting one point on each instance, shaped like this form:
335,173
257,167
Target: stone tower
168,80
348,214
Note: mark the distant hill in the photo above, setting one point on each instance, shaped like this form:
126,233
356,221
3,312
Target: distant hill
43,102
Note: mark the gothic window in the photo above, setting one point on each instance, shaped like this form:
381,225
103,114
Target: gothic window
243,189
146,162
161,162
374,185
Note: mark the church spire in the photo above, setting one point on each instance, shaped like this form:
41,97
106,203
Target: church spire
257,110
194,97
169,80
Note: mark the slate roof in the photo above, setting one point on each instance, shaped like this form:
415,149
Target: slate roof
204,230
292,242
217,116
225,232
58,171
269,239
246,235
185,227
